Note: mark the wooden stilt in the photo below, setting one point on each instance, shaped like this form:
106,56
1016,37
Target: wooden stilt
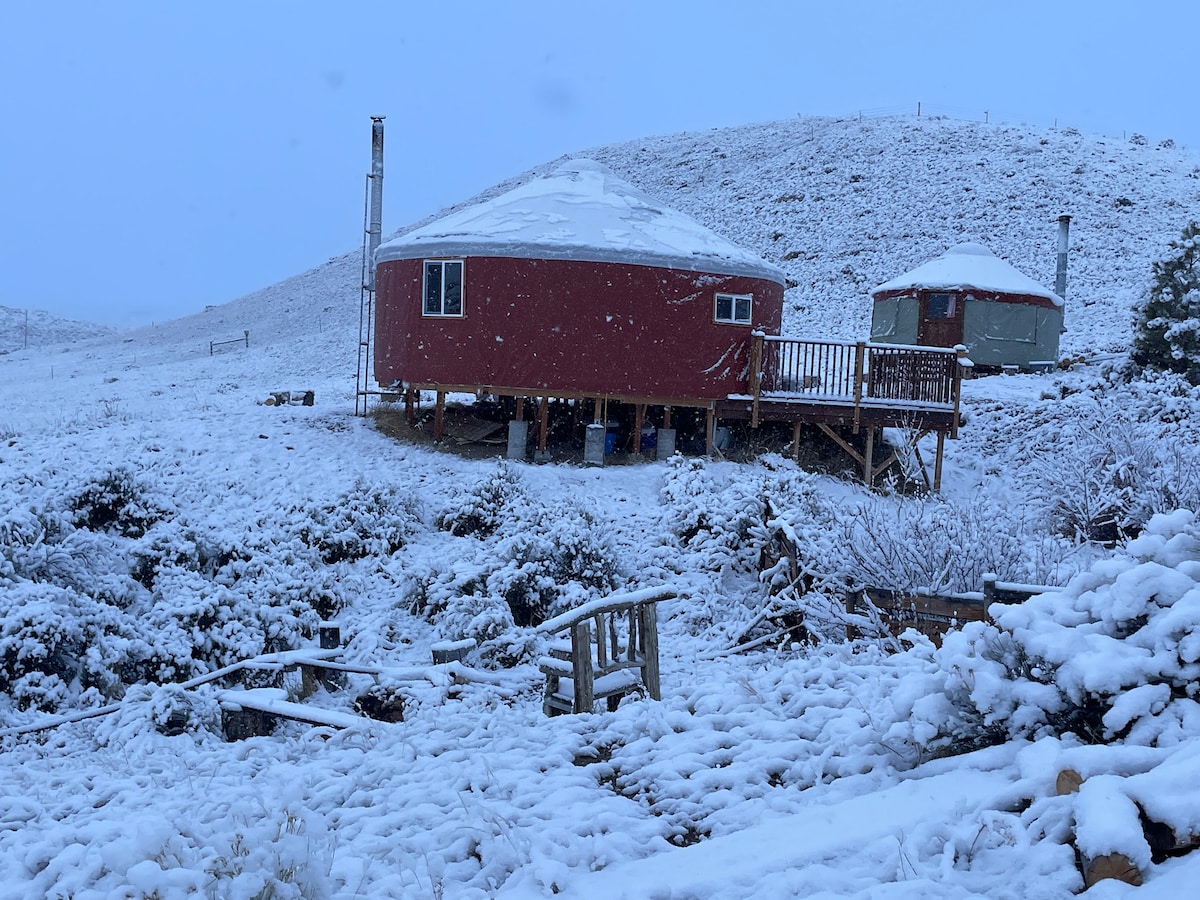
639,416
543,422
868,471
410,411
937,462
795,440
520,414
666,417
710,430
439,414
576,413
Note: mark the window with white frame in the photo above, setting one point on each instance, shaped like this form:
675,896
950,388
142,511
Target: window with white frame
734,309
443,287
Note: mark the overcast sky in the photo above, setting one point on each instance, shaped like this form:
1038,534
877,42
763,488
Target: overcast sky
158,157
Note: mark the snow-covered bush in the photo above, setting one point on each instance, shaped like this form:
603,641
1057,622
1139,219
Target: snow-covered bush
117,501
553,558
366,520
712,519
1167,322
1114,655
482,509
56,643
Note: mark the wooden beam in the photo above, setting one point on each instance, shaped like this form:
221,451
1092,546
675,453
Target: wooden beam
937,462
868,469
543,422
666,417
520,413
796,440
710,429
439,414
841,442
882,467
639,416
410,412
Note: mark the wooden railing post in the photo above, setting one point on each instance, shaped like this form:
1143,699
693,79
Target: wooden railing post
860,366
756,358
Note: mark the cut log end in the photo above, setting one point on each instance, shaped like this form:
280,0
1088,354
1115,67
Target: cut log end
1068,782
1111,865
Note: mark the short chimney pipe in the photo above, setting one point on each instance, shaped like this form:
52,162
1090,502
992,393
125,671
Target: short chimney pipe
1060,274
375,218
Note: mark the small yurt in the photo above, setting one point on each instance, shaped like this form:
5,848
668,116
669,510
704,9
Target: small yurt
970,296
575,284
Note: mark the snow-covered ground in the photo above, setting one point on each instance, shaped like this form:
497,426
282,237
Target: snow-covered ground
157,521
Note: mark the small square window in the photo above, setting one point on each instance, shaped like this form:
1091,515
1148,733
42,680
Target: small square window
443,287
734,309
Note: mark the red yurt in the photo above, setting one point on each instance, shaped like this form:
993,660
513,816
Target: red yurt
575,284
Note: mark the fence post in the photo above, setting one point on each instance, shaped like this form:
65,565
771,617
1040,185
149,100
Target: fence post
989,589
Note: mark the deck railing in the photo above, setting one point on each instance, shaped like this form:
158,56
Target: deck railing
855,374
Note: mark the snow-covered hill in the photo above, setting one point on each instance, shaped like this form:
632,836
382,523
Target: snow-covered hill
25,328
158,521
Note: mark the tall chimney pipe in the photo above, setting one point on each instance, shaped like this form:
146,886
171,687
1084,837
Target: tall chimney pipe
375,226
1060,274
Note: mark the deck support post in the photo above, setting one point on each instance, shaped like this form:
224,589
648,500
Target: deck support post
639,416
520,413
439,414
937,462
710,430
868,457
795,440
543,423
666,417
412,399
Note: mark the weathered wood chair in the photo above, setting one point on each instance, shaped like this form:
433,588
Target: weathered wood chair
606,648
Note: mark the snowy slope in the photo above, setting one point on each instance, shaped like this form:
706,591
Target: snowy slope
778,771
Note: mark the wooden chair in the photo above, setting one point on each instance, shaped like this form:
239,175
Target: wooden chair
605,649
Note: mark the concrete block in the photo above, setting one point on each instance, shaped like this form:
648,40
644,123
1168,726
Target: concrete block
593,445
518,436
666,443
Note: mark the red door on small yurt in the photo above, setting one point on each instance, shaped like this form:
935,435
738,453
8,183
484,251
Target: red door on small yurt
941,319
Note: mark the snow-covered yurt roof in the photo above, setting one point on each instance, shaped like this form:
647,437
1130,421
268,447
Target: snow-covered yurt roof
968,266
580,211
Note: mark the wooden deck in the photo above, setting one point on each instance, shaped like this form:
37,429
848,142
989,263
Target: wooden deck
837,385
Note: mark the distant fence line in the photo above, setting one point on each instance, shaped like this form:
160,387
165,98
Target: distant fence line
921,109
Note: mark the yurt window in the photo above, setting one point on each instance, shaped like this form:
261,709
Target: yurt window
443,287
734,309
941,306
